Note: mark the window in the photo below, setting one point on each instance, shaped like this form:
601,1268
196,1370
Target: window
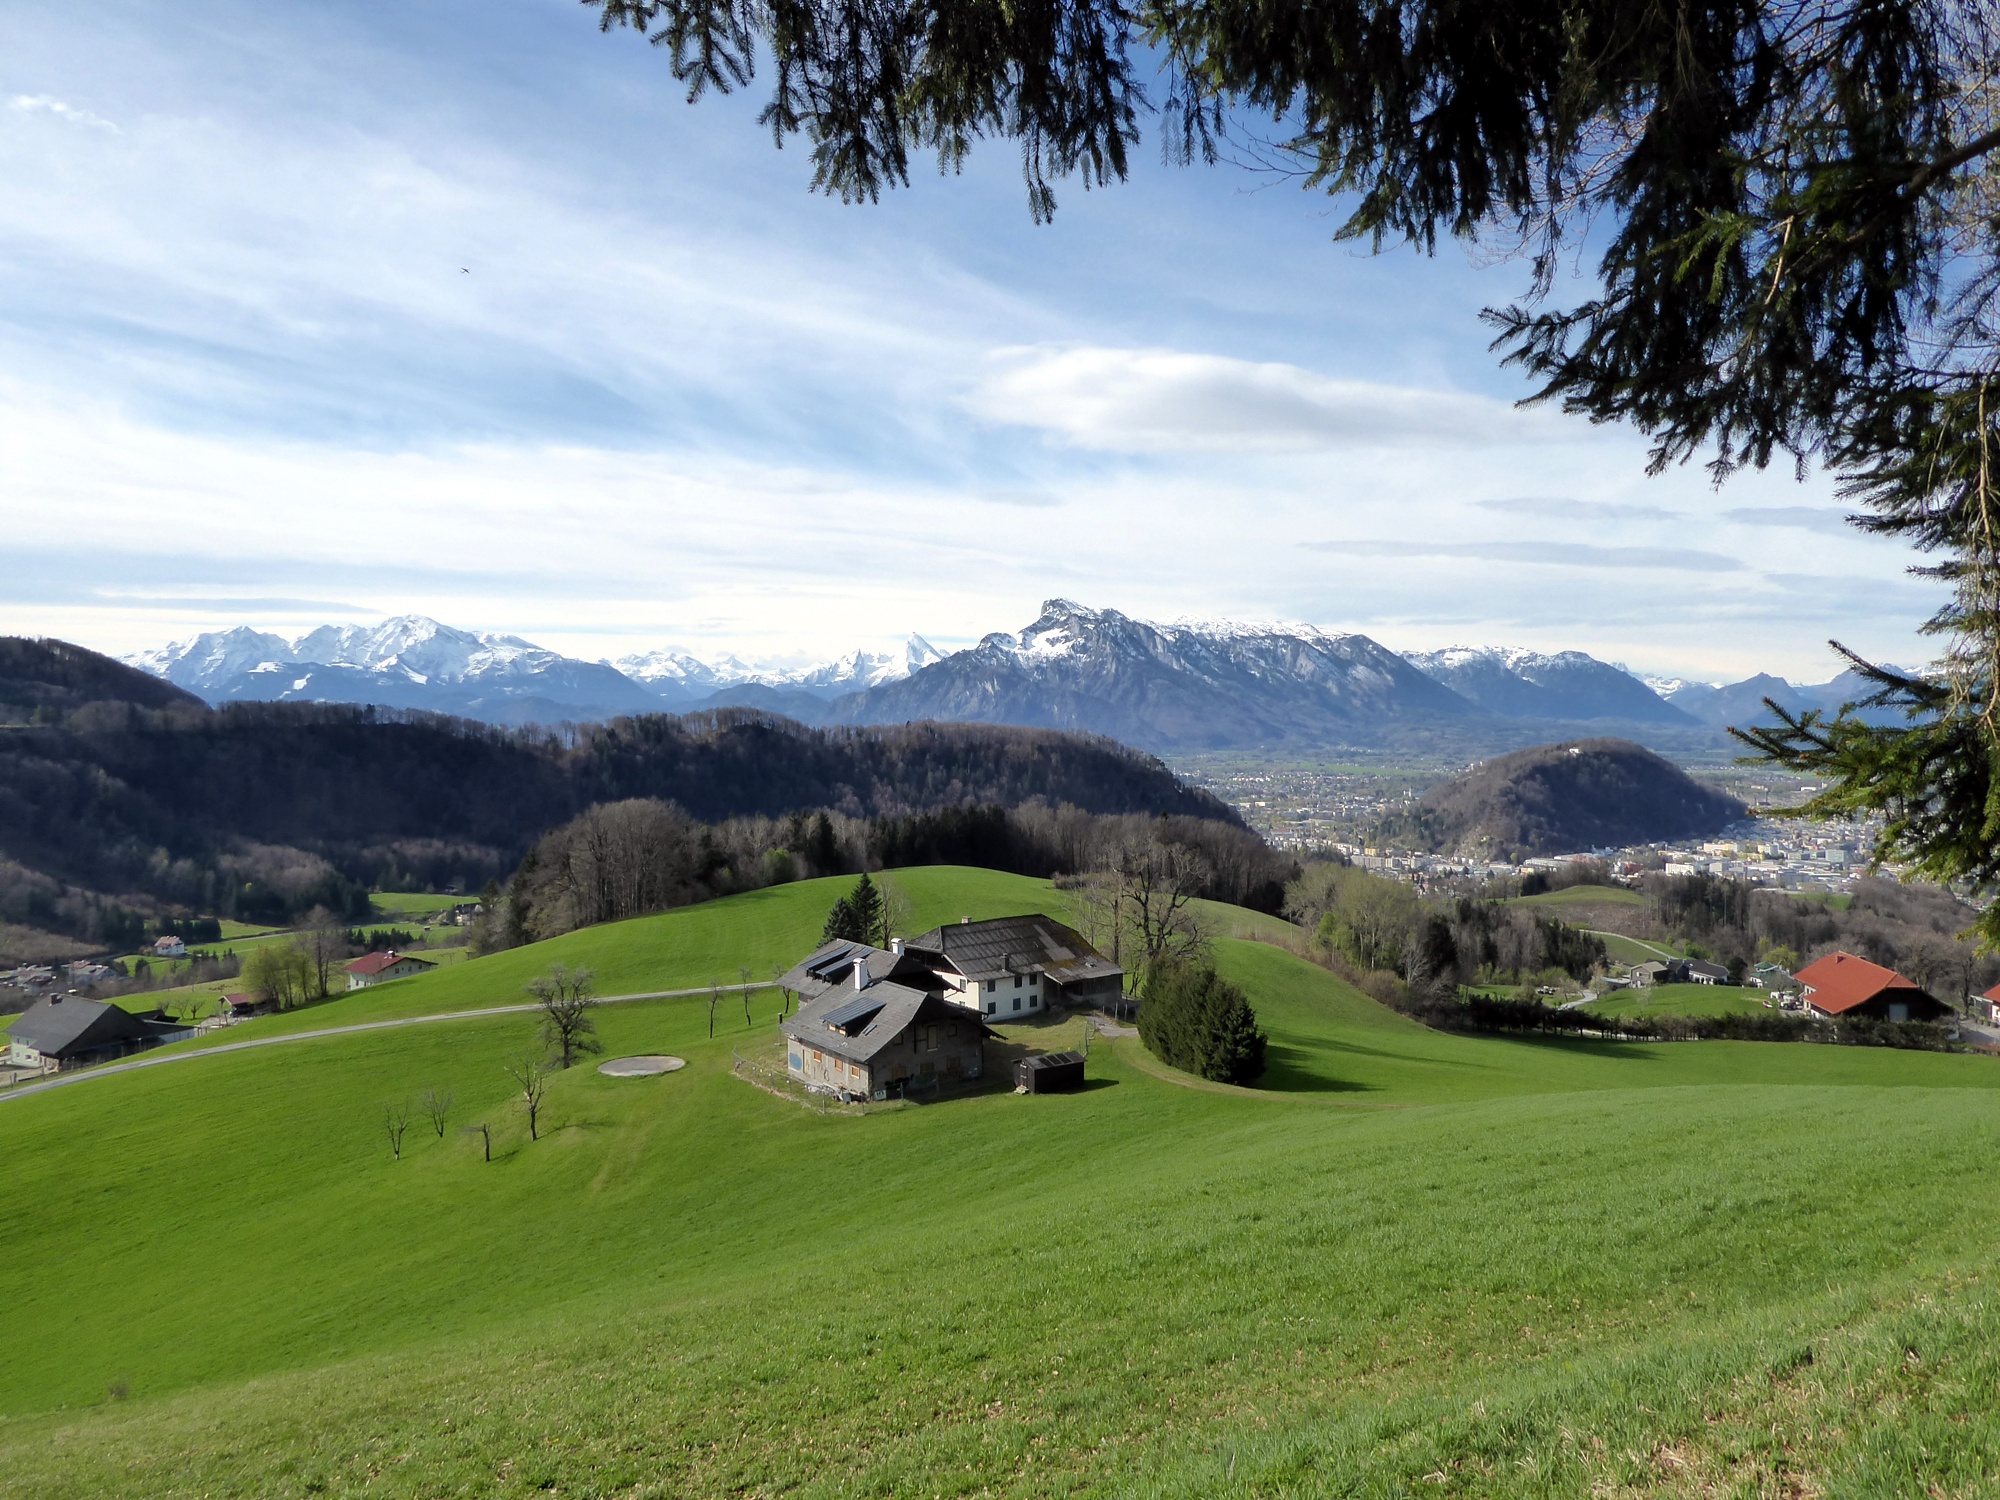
991,1007
1017,1002
991,985
1017,981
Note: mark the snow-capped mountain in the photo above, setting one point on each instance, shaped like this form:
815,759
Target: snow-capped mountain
677,676
1566,685
408,661
1179,686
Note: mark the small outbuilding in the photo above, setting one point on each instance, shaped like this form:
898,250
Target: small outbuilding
1049,1073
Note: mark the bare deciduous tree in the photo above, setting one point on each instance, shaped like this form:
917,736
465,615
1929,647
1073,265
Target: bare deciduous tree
437,1104
899,912
485,1134
1142,901
324,944
567,1028
714,999
744,972
396,1122
531,1076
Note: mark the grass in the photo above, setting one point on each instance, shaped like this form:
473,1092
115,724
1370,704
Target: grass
1409,1263
415,905
1627,950
1584,895
1681,1000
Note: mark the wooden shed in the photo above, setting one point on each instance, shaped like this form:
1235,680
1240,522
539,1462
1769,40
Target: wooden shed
1050,1073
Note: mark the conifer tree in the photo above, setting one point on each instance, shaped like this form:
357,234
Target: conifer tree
1195,1020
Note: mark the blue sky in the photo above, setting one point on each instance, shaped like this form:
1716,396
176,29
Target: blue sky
323,313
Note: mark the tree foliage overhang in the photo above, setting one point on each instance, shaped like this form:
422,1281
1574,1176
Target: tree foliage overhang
1795,210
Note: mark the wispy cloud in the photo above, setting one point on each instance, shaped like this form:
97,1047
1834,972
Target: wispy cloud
1155,400
1560,508
48,104
1796,517
1552,554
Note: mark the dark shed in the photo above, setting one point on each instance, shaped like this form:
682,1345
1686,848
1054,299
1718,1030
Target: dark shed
1050,1073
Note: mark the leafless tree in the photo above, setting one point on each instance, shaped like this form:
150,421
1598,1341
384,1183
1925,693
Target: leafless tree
437,1104
531,1076
714,999
744,973
396,1121
899,913
1142,899
485,1134
567,1028
324,943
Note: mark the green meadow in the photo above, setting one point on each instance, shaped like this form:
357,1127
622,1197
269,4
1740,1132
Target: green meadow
1681,1000
1407,1263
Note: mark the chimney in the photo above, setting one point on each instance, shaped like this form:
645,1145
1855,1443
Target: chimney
861,973
896,946
965,921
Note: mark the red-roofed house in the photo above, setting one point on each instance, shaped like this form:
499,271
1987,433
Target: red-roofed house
379,968
1992,999
1842,984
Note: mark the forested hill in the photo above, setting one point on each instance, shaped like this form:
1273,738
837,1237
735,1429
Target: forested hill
1564,799
46,681
258,809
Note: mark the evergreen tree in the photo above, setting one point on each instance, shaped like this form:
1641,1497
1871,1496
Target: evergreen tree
858,917
1195,1020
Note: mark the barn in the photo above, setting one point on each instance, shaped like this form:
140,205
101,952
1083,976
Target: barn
1845,984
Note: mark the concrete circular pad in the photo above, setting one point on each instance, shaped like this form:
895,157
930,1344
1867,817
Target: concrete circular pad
640,1067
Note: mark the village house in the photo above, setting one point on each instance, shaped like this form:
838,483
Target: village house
67,1031
1843,984
169,947
380,968
871,1023
1007,968
1701,971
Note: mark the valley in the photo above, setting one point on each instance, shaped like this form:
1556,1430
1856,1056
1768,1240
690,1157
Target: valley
1288,1287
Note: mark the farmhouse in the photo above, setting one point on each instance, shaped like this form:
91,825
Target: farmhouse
871,1023
1652,972
169,947
1009,967
1701,971
67,1031
379,968
1843,984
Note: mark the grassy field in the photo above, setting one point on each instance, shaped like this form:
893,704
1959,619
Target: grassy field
1681,1000
1409,1263
414,905
1585,895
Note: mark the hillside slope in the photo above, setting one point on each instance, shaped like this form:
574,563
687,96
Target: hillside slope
1206,1290
1564,799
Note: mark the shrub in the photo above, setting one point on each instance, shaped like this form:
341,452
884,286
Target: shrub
1199,1022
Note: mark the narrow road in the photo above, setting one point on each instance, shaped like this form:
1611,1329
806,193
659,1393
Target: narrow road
1640,942
105,1070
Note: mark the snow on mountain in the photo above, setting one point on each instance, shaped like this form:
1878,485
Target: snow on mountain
1520,683
1165,686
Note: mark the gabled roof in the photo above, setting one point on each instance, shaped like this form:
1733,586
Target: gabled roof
66,1025
1017,945
857,1025
375,963
832,964
1841,981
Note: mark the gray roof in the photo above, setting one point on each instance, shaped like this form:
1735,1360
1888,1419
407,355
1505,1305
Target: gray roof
832,964
65,1025
1017,945
857,1024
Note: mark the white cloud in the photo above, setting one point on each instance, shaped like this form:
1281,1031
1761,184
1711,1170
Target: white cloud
1155,400
48,104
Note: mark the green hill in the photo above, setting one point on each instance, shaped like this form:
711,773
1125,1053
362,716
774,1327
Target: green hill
1528,1267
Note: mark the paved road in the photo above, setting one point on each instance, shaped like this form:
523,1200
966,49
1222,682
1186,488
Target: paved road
59,1080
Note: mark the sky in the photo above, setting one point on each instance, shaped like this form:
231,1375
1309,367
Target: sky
317,314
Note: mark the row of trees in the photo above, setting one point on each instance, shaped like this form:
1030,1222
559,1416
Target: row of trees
624,859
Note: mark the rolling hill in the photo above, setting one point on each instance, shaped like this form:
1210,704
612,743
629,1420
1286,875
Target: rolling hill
1565,799
1148,1287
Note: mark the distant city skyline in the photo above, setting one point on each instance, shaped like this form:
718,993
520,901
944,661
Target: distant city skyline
328,315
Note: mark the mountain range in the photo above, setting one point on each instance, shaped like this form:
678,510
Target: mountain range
1181,687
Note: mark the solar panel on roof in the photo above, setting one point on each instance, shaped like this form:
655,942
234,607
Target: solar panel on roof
853,1010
